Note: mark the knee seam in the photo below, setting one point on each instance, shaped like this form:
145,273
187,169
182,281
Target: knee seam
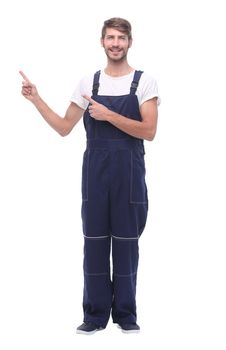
97,237
125,238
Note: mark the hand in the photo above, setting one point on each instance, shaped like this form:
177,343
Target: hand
29,90
97,110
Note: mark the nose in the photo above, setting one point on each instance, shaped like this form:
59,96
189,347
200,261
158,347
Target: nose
115,42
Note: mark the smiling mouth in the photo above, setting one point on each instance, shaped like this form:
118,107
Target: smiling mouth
115,51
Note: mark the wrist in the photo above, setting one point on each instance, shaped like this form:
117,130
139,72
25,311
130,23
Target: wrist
111,116
36,100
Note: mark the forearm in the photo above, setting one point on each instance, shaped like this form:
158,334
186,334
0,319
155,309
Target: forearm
138,129
53,119
144,129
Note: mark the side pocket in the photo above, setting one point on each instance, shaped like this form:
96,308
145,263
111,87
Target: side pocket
85,176
138,188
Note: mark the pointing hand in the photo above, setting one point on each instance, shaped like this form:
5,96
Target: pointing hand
97,110
29,90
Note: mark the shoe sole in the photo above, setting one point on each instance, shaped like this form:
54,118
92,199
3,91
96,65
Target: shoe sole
88,333
129,331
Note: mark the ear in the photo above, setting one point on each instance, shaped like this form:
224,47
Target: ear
101,42
130,42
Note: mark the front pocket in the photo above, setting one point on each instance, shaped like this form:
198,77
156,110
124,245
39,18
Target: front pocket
138,188
85,176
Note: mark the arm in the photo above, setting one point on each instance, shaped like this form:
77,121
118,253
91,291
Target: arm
144,129
62,125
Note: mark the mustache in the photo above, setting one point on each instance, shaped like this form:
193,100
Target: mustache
115,48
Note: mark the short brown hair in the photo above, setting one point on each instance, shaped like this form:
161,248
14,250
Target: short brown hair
118,23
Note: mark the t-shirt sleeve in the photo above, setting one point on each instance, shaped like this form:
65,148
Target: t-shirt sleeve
83,88
149,89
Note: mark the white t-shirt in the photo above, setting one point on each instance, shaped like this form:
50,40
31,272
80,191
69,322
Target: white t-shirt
116,86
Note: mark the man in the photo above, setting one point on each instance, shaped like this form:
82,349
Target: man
119,105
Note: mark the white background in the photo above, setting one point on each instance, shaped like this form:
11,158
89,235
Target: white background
181,283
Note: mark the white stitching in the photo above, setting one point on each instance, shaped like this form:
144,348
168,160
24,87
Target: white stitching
96,274
86,178
125,237
97,237
131,182
129,275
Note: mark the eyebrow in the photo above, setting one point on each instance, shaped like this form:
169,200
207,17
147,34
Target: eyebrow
112,36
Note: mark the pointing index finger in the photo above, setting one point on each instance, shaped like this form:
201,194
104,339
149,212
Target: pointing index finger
24,76
89,99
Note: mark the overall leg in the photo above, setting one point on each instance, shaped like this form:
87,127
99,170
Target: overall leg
129,208
125,263
97,297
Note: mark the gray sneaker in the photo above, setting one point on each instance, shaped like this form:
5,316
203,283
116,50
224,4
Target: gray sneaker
129,328
88,328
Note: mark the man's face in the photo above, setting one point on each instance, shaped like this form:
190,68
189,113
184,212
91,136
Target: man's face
116,44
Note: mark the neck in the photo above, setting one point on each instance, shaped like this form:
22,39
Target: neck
117,69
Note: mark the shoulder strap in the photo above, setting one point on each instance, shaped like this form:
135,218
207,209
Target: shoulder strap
135,82
96,83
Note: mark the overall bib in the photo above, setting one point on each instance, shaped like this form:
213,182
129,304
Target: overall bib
114,211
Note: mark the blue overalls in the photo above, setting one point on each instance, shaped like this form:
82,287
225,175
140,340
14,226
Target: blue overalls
114,211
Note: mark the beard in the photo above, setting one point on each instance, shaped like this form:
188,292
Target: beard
116,55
